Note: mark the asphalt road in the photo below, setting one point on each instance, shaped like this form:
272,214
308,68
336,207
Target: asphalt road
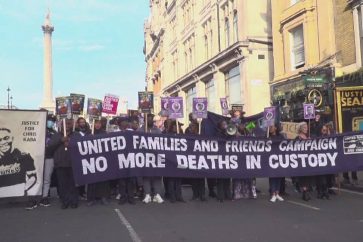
339,219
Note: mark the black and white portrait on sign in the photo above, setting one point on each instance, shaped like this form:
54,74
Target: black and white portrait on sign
22,144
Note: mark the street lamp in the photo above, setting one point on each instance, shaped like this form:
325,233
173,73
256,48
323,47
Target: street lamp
11,102
8,90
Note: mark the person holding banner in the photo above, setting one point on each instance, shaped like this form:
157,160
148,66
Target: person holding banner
151,184
223,184
304,182
127,185
198,184
275,182
174,183
58,146
82,127
101,190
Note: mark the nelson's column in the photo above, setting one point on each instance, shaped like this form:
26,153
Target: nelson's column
48,102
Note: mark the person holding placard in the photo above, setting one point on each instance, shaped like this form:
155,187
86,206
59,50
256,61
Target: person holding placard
58,146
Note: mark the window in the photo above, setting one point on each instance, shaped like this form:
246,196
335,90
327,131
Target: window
175,65
191,93
294,1
226,32
235,27
233,86
206,47
297,47
210,92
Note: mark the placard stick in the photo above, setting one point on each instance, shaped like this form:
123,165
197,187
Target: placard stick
309,128
64,130
268,131
199,126
75,117
177,126
93,126
145,125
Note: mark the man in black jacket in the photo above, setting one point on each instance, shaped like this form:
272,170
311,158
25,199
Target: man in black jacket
62,161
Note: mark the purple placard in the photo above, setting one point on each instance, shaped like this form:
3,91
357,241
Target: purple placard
176,109
269,115
164,107
309,111
224,106
200,106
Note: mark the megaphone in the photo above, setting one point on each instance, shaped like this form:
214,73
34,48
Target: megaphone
231,129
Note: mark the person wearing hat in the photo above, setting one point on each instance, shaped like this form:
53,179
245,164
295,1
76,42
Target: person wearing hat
48,166
151,183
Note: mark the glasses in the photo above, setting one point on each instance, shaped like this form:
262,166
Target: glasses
6,138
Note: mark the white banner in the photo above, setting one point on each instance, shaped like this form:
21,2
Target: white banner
22,146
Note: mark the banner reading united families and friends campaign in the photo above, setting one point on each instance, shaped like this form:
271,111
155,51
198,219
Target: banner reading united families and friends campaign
132,154
22,144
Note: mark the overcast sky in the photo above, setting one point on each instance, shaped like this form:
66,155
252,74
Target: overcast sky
97,48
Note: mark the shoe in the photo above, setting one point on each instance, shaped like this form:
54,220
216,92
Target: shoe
212,194
326,195
203,199
31,205
157,199
44,202
332,192
74,206
254,193
64,206
118,196
147,199
181,200
131,201
104,201
306,196
90,204
279,198
122,201
355,183
273,199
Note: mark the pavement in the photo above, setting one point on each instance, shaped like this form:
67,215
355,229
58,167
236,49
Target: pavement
339,219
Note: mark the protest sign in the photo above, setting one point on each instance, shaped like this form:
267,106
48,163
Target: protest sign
270,116
94,108
146,102
77,103
224,106
176,109
63,107
110,103
200,106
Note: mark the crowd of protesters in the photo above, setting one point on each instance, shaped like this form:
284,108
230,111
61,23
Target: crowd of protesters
157,189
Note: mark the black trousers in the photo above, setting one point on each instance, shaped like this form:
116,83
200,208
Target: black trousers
127,188
68,191
224,189
354,176
198,188
174,189
211,182
322,184
98,190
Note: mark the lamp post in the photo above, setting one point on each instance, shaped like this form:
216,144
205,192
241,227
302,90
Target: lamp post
11,102
8,90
